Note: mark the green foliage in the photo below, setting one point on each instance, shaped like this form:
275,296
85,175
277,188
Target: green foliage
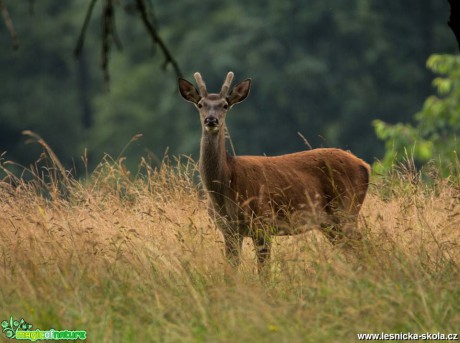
433,136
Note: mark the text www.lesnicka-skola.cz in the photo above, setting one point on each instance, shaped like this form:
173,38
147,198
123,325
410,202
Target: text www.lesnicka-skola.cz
409,336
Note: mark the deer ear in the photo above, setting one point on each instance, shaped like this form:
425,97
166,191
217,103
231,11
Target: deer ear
239,92
188,91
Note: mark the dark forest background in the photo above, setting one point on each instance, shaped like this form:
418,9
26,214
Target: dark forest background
322,68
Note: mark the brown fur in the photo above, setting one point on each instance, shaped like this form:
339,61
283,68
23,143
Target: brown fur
260,196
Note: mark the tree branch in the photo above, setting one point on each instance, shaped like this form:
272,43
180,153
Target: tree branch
81,37
156,38
107,30
109,34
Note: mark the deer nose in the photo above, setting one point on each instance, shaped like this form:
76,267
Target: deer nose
211,121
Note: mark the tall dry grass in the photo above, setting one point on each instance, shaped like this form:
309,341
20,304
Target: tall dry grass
135,258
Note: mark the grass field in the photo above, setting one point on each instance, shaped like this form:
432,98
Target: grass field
136,259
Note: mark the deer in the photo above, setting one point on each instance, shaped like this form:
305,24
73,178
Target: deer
264,196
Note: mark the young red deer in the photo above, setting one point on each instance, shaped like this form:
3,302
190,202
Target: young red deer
259,196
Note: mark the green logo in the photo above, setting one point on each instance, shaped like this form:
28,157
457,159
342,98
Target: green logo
21,330
12,326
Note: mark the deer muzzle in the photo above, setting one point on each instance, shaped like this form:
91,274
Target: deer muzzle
211,123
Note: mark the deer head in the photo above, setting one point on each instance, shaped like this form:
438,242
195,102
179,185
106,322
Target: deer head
213,107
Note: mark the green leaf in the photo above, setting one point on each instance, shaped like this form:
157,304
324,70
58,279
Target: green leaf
444,85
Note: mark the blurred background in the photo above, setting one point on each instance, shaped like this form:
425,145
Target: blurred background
322,68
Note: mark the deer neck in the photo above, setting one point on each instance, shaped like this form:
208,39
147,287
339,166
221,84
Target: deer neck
214,170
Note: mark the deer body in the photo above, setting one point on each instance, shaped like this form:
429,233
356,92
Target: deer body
260,196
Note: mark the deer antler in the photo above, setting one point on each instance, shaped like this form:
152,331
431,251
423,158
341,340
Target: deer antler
201,84
227,83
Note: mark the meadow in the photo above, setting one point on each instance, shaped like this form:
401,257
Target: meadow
135,258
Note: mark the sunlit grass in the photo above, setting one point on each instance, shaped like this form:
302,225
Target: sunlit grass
135,258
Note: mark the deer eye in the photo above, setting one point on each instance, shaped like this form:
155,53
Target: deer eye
199,105
225,106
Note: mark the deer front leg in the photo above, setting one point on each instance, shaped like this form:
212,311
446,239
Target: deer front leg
262,245
233,246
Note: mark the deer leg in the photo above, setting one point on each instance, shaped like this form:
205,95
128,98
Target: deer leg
342,232
350,231
233,246
262,245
